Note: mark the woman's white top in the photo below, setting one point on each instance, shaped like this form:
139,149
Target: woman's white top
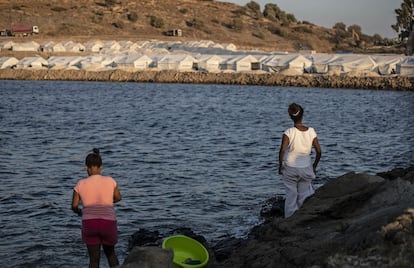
300,147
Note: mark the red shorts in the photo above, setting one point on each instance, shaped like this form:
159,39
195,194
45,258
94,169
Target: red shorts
99,231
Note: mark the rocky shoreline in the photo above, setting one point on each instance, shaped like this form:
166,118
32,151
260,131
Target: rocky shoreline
395,82
356,220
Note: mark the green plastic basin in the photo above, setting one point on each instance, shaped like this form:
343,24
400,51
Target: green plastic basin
188,253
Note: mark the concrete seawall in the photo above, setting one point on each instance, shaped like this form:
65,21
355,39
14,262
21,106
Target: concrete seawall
398,83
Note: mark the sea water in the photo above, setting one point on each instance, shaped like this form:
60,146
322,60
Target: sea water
184,155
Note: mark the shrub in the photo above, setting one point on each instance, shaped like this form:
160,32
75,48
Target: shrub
195,23
58,9
253,6
110,2
132,16
216,21
307,22
183,11
291,18
277,30
237,25
156,22
303,29
339,26
259,35
241,11
118,24
17,7
99,13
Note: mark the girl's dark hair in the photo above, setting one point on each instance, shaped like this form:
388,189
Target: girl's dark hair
295,111
93,159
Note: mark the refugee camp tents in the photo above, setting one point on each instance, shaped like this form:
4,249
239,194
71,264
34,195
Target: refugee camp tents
240,63
176,62
95,63
8,62
352,63
230,47
110,47
210,63
26,46
71,46
63,62
94,46
32,63
406,67
321,61
387,64
125,44
132,62
281,62
52,47
6,45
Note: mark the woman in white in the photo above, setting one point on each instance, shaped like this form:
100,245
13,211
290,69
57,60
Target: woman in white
296,166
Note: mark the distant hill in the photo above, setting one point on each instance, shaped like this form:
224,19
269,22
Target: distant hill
245,26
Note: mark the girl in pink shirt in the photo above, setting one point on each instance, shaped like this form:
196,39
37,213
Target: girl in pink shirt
97,194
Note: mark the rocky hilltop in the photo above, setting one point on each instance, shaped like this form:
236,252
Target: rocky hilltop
248,27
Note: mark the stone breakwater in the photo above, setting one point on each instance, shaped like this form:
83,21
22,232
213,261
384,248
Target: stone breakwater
398,83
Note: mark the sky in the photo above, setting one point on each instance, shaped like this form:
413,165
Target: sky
373,16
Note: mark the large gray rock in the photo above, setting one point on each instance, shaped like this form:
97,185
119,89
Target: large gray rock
149,257
353,221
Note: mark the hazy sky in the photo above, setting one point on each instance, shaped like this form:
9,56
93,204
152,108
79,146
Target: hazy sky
374,16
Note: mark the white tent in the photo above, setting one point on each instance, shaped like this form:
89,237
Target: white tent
240,63
320,62
230,47
94,46
352,63
210,63
8,62
59,62
95,63
6,45
27,46
110,47
125,44
32,63
278,63
132,62
52,47
406,67
71,46
387,64
177,62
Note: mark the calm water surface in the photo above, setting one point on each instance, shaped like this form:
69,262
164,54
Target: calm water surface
197,156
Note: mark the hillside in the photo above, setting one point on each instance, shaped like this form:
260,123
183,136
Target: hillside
133,20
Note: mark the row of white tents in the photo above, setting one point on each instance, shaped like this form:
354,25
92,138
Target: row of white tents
116,47
204,56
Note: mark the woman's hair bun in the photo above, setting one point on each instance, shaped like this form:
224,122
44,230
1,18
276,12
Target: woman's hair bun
295,110
95,151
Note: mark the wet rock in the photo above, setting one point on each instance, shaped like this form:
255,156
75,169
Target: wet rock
356,220
149,257
144,237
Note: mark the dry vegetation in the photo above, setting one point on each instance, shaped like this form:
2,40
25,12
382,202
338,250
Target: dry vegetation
133,20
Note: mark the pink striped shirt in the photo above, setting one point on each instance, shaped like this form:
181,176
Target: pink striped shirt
97,195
